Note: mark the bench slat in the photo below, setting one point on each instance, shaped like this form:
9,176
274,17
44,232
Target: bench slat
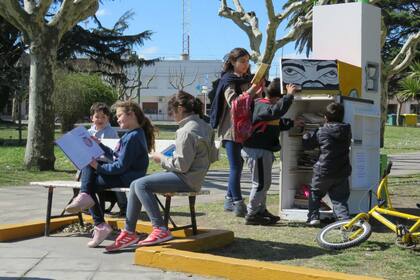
76,185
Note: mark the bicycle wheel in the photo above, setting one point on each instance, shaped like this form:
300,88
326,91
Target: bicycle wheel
335,237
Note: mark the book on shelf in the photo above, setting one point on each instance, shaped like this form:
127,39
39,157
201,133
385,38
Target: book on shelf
260,73
79,147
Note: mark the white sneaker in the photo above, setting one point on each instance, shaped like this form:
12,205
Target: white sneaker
100,233
314,222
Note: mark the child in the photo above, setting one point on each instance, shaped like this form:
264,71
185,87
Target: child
258,150
102,129
130,162
185,171
235,79
331,171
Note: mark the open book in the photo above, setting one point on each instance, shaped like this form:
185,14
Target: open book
79,147
260,73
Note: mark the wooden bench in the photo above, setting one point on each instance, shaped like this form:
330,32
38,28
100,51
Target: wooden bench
75,186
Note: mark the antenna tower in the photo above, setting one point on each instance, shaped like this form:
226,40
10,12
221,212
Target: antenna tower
185,55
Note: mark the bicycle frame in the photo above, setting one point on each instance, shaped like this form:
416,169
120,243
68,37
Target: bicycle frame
384,207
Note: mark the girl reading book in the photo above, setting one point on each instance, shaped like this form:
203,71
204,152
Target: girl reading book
130,162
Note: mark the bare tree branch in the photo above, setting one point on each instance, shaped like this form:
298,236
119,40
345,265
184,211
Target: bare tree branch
405,56
71,12
11,11
177,79
247,21
42,8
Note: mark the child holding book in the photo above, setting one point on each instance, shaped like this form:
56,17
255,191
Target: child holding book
331,171
102,129
235,79
130,162
258,150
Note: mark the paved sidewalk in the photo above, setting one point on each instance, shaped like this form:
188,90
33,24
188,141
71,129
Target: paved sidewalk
405,164
67,257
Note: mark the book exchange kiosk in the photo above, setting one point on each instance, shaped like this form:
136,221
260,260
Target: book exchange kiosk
345,67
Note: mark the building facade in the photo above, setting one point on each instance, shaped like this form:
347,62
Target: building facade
165,78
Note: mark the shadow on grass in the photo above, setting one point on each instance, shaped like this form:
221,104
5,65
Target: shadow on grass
246,248
13,142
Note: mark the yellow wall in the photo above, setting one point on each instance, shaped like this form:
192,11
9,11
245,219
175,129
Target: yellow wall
349,78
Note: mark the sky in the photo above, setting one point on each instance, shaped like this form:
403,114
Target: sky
211,36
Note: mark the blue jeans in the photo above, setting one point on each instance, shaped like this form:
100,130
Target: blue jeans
141,193
91,183
236,163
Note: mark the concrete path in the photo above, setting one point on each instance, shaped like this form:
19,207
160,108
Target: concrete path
405,164
67,257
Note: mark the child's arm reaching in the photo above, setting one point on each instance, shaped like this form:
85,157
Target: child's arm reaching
310,140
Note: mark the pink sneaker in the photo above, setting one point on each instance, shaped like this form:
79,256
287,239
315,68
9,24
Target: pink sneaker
100,233
81,202
123,240
157,236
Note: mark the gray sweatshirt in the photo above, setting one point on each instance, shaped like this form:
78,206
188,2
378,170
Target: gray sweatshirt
194,142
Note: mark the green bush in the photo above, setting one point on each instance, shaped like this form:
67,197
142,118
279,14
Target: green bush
75,93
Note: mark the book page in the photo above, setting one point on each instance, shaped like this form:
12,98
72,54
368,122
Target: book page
260,73
79,147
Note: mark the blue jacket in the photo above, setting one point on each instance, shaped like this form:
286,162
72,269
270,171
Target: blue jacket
131,157
216,106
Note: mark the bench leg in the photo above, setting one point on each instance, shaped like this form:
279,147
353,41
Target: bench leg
192,212
163,208
49,206
167,210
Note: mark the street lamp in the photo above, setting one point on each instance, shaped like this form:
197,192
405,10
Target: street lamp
204,91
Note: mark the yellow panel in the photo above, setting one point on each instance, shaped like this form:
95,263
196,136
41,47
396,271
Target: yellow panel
349,79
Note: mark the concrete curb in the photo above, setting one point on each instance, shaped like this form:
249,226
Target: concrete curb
230,268
11,232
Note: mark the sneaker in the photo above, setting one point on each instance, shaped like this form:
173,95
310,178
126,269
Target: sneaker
157,236
239,208
313,222
228,205
81,202
100,233
123,240
273,218
257,219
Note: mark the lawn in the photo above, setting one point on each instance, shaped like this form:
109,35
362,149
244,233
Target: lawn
294,243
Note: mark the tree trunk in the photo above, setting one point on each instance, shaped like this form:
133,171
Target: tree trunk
15,106
384,108
39,153
399,113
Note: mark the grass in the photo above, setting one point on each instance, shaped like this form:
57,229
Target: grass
293,243
400,140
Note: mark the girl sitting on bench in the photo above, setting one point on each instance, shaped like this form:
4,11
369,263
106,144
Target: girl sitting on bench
130,162
186,169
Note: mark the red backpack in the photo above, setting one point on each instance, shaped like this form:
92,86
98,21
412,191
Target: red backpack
241,112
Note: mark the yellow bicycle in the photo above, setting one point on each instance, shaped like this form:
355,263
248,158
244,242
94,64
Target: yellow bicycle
350,233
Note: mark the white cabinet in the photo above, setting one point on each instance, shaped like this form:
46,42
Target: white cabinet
364,154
